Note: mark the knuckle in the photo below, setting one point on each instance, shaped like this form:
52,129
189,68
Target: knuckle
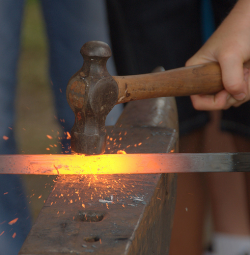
233,87
228,54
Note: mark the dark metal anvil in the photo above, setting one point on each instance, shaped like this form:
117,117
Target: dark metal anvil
115,214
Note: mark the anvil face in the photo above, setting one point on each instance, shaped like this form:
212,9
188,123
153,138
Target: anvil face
131,209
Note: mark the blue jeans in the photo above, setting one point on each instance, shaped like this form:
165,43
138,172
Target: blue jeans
69,25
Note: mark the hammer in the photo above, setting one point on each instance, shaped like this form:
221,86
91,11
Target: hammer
92,92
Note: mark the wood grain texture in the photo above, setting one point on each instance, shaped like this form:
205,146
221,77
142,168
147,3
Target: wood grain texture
186,81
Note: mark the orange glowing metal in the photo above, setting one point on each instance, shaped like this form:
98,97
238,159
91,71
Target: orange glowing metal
80,164
125,163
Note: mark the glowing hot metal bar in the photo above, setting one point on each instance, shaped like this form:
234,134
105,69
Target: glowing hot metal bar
124,164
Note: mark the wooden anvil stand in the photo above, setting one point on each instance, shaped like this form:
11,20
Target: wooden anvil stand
115,214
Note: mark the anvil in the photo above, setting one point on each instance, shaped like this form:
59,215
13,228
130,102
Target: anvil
119,214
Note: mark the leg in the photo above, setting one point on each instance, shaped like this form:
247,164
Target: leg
69,26
186,237
12,198
190,204
229,191
229,201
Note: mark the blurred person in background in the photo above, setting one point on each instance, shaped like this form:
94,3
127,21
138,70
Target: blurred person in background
69,24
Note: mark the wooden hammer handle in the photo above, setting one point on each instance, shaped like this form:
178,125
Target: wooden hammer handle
186,81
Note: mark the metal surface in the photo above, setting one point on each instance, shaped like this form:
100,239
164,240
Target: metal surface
91,94
125,164
99,214
136,211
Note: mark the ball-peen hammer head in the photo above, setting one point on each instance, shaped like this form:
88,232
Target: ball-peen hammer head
91,94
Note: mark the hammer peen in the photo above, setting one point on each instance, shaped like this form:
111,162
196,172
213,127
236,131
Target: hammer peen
92,92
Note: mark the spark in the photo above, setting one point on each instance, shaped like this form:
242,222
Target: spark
121,152
50,137
39,196
13,221
5,138
5,193
48,149
68,136
14,235
1,233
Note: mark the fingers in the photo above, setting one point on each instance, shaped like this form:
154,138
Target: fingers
222,100
233,75
235,80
